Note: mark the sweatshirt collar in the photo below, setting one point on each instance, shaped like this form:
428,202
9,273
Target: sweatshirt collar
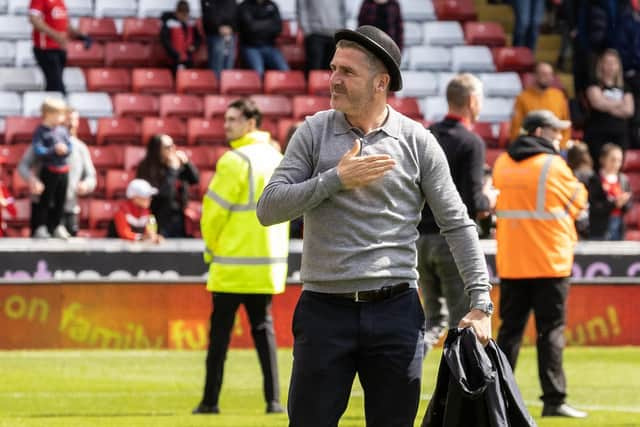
391,126
250,138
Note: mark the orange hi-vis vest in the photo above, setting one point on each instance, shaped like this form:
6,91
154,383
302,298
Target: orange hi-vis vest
538,202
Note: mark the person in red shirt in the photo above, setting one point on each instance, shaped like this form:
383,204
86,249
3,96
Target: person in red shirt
6,202
134,220
51,31
180,36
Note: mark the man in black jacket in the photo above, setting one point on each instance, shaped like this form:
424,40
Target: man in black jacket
219,24
445,302
259,24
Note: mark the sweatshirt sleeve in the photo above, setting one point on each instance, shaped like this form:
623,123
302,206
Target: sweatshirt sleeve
451,216
27,162
123,228
293,189
88,170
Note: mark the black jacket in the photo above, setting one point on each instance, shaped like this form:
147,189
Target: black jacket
465,153
216,13
475,387
600,206
259,23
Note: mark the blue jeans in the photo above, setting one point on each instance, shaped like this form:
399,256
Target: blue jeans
222,53
615,228
260,58
528,14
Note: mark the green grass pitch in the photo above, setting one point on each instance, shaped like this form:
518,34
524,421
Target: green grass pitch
159,388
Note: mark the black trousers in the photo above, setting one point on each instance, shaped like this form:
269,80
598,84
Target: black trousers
319,51
547,297
52,62
49,209
336,338
222,317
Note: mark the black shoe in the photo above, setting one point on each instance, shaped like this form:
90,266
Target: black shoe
562,410
206,409
274,408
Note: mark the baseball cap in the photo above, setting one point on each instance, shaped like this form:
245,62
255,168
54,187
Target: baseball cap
140,188
543,119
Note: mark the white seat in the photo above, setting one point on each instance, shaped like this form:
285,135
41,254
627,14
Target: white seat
21,79
10,104
443,82
24,54
7,53
418,84
74,80
434,108
443,33
18,7
287,9
412,33
15,27
115,8
155,8
32,102
432,58
92,104
417,10
501,84
496,110
471,59
79,7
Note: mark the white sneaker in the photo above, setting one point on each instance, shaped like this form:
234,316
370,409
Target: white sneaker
61,232
41,233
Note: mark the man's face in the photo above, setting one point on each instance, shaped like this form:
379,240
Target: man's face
352,81
544,76
552,134
236,125
73,120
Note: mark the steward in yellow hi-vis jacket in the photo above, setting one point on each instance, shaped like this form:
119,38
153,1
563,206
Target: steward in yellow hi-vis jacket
247,261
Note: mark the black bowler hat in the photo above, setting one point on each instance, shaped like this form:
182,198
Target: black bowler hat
381,45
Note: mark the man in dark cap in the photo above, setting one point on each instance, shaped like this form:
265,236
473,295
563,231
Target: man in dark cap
538,203
360,174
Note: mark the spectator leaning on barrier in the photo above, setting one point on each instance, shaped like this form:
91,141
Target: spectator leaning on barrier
247,262
82,176
133,220
219,24
384,14
539,200
180,36
319,20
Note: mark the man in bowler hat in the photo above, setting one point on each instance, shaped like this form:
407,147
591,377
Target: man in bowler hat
360,174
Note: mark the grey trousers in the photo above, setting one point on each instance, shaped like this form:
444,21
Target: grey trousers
445,301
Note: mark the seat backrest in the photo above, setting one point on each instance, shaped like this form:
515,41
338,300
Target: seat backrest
15,27
216,105
115,8
306,105
484,33
101,212
273,106
110,80
116,182
152,80
141,29
10,104
74,79
632,161
319,82
21,79
24,54
171,126
284,82
32,102
12,154
519,59
418,10
135,105
7,53
202,82
205,131
133,155
154,8
126,54
118,130
240,82
455,10
443,33
418,84
91,104
506,84
471,59
107,157
100,29
78,56
79,7
429,58
181,105
19,129
407,106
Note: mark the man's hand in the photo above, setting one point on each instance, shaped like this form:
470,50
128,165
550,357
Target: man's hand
60,149
82,188
61,38
357,171
480,322
622,199
36,187
225,30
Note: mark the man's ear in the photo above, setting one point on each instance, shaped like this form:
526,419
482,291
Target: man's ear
383,82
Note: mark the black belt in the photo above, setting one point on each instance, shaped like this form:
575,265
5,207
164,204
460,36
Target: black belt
374,295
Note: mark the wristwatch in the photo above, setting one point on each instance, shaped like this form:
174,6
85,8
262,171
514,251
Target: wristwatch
486,307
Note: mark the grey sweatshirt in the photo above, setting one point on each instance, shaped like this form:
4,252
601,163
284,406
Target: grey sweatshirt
364,238
321,17
80,169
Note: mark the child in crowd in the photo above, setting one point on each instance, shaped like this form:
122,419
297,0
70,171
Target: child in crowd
609,196
52,145
134,220
6,202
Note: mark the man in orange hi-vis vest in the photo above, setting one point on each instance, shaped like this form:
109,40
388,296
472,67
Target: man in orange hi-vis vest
538,202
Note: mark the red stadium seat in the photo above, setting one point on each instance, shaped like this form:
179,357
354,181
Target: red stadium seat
12,154
202,82
152,80
78,56
201,57
273,106
159,56
20,129
200,155
126,54
181,106
192,214
519,59
289,34
216,105
111,80
455,10
270,125
118,130
284,82
294,54
205,131
215,153
484,33
84,131
308,105
492,155
19,187
22,218
284,125
133,155
240,82
631,161
407,106
171,126
107,157
632,235
135,105
319,82
632,217
495,135
634,181
205,179
116,183
99,29
141,29
101,212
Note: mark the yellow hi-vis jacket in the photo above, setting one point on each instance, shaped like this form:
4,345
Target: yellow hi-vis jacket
244,257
